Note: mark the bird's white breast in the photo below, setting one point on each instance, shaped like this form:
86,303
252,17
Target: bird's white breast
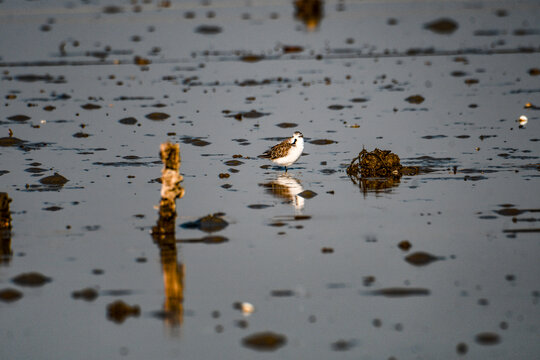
293,154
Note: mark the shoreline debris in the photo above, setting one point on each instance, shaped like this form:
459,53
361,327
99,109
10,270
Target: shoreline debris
378,170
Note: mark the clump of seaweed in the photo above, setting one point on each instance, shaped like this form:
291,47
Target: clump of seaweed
378,169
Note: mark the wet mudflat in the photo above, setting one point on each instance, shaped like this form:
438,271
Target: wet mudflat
439,263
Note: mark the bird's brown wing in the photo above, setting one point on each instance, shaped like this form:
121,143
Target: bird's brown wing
278,150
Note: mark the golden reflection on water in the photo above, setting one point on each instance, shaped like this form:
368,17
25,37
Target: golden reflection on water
173,282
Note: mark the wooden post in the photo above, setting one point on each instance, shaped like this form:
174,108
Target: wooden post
164,234
5,229
170,189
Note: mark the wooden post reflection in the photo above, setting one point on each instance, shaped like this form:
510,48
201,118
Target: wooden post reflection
163,234
5,229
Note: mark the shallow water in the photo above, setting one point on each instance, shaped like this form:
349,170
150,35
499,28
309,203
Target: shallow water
325,273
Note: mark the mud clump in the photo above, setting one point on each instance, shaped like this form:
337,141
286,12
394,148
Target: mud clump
32,279
233,163
87,294
264,341
91,106
157,116
252,114
443,26
405,245
209,223
19,118
288,49
10,141
81,135
415,99
285,125
208,29
118,311
487,338
462,348
322,142
54,180
378,163
399,292
509,212
10,295
128,121
343,345
252,58
112,9
421,258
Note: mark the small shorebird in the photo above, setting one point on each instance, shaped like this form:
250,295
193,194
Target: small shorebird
286,152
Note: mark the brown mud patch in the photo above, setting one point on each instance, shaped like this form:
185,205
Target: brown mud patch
285,125
264,341
54,180
128,121
421,258
11,141
195,141
19,118
208,29
444,26
487,338
87,294
209,223
31,279
322,142
119,311
399,292
157,116
10,295
252,114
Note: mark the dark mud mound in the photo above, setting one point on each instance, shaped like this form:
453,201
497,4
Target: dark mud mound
118,311
209,223
264,341
378,170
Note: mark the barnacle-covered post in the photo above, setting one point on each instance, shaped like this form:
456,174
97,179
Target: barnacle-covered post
164,234
171,178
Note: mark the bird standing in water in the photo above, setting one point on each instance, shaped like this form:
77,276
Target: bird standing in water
286,152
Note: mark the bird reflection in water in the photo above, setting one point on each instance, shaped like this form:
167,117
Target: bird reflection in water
286,187
163,234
